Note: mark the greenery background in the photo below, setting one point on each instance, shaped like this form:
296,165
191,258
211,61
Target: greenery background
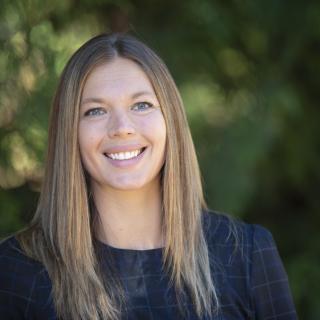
248,72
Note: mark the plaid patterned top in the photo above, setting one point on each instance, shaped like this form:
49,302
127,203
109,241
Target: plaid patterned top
251,282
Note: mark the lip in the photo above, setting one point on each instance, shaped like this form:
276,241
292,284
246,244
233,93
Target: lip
129,162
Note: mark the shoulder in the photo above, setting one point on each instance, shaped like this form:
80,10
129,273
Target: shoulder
223,229
14,260
233,242
20,280
249,269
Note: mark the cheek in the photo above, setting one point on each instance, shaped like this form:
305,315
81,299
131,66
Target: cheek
82,138
154,127
160,132
88,141
87,144
88,135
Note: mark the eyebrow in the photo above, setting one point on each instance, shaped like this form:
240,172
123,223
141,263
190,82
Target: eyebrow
133,96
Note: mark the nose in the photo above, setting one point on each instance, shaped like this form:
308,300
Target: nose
121,125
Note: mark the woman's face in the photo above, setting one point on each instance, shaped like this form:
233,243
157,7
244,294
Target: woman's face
122,132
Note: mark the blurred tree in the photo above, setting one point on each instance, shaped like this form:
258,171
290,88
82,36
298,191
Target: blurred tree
248,73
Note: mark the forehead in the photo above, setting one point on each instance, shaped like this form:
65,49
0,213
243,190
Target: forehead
118,77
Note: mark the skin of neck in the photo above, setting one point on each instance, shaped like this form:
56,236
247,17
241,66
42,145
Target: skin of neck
129,219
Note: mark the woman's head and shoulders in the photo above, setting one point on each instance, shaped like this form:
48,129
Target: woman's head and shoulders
159,90
141,120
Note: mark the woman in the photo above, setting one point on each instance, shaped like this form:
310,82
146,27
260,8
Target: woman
121,230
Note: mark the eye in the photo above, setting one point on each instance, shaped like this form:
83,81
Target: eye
95,112
142,106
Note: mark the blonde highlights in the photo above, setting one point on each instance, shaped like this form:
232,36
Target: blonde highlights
61,233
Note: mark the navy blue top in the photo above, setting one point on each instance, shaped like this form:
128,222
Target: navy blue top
251,281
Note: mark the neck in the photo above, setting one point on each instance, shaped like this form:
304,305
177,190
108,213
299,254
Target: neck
129,219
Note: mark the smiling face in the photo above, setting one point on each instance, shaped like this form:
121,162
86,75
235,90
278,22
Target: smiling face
122,132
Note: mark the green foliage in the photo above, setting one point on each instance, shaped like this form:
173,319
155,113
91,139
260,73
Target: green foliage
248,73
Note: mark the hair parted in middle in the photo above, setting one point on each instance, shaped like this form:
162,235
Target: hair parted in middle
61,233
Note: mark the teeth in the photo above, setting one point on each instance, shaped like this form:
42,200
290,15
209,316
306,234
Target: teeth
124,155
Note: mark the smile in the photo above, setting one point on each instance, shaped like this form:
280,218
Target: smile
124,155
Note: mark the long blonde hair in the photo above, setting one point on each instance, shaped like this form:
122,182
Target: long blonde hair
61,233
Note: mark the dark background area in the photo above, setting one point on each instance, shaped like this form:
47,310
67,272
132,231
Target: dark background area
248,72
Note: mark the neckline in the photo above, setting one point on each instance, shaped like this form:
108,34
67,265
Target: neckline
128,250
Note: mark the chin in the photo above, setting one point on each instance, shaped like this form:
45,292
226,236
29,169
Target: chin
132,184
127,185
